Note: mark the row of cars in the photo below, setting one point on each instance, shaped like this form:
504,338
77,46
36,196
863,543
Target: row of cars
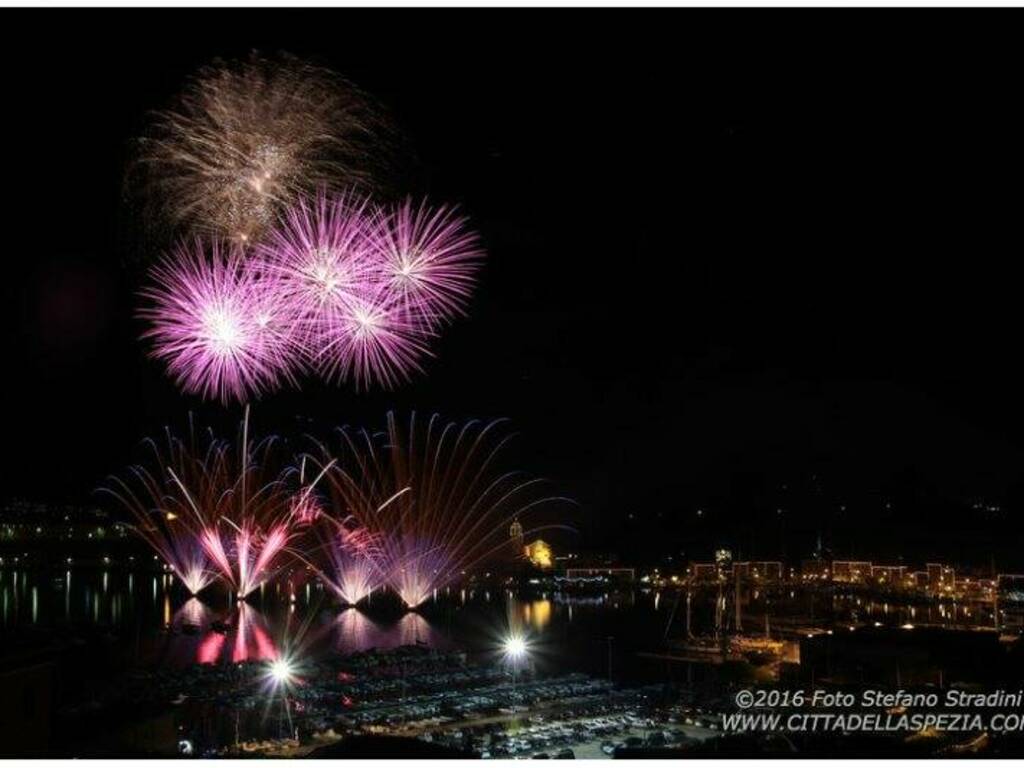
460,703
571,724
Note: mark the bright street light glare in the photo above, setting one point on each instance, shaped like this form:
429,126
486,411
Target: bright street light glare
515,647
281,671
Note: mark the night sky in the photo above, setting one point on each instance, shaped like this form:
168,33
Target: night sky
761,264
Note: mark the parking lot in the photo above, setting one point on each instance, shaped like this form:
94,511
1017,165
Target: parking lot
585,727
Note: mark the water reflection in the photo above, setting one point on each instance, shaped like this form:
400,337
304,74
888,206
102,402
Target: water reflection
160,624
355,631
537,614
413,629
211,648
252,638
193,613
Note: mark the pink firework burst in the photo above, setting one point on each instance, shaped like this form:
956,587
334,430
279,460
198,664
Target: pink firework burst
327,260
375,342
221,334
319,261
428,260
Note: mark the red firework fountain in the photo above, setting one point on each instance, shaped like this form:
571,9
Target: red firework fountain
216,512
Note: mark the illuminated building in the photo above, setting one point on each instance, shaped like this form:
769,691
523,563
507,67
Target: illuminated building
851,571
539,553
976,588
703,573
765,571
941,578
723,561
515,532
815,569
888,575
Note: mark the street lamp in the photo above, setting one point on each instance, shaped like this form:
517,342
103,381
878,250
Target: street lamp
281,671
281,674
516,649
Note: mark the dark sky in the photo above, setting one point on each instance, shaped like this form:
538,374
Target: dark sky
739,261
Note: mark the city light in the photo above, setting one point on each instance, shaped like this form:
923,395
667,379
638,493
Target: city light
515,647
281,671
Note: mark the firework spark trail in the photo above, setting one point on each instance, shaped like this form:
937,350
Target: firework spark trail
224,505
327,261
428,259
221,335
346,559
433,499
319,261
340,286
353,554
342,553
250,506
248,137
412,508
164,520
306,509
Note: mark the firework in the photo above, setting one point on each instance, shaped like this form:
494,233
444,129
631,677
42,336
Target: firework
247,512
428,259
339,286
353,554
221,335
319,260
248,137
230,509
325,261
433,498
163,518
341,553
252,637
373,344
